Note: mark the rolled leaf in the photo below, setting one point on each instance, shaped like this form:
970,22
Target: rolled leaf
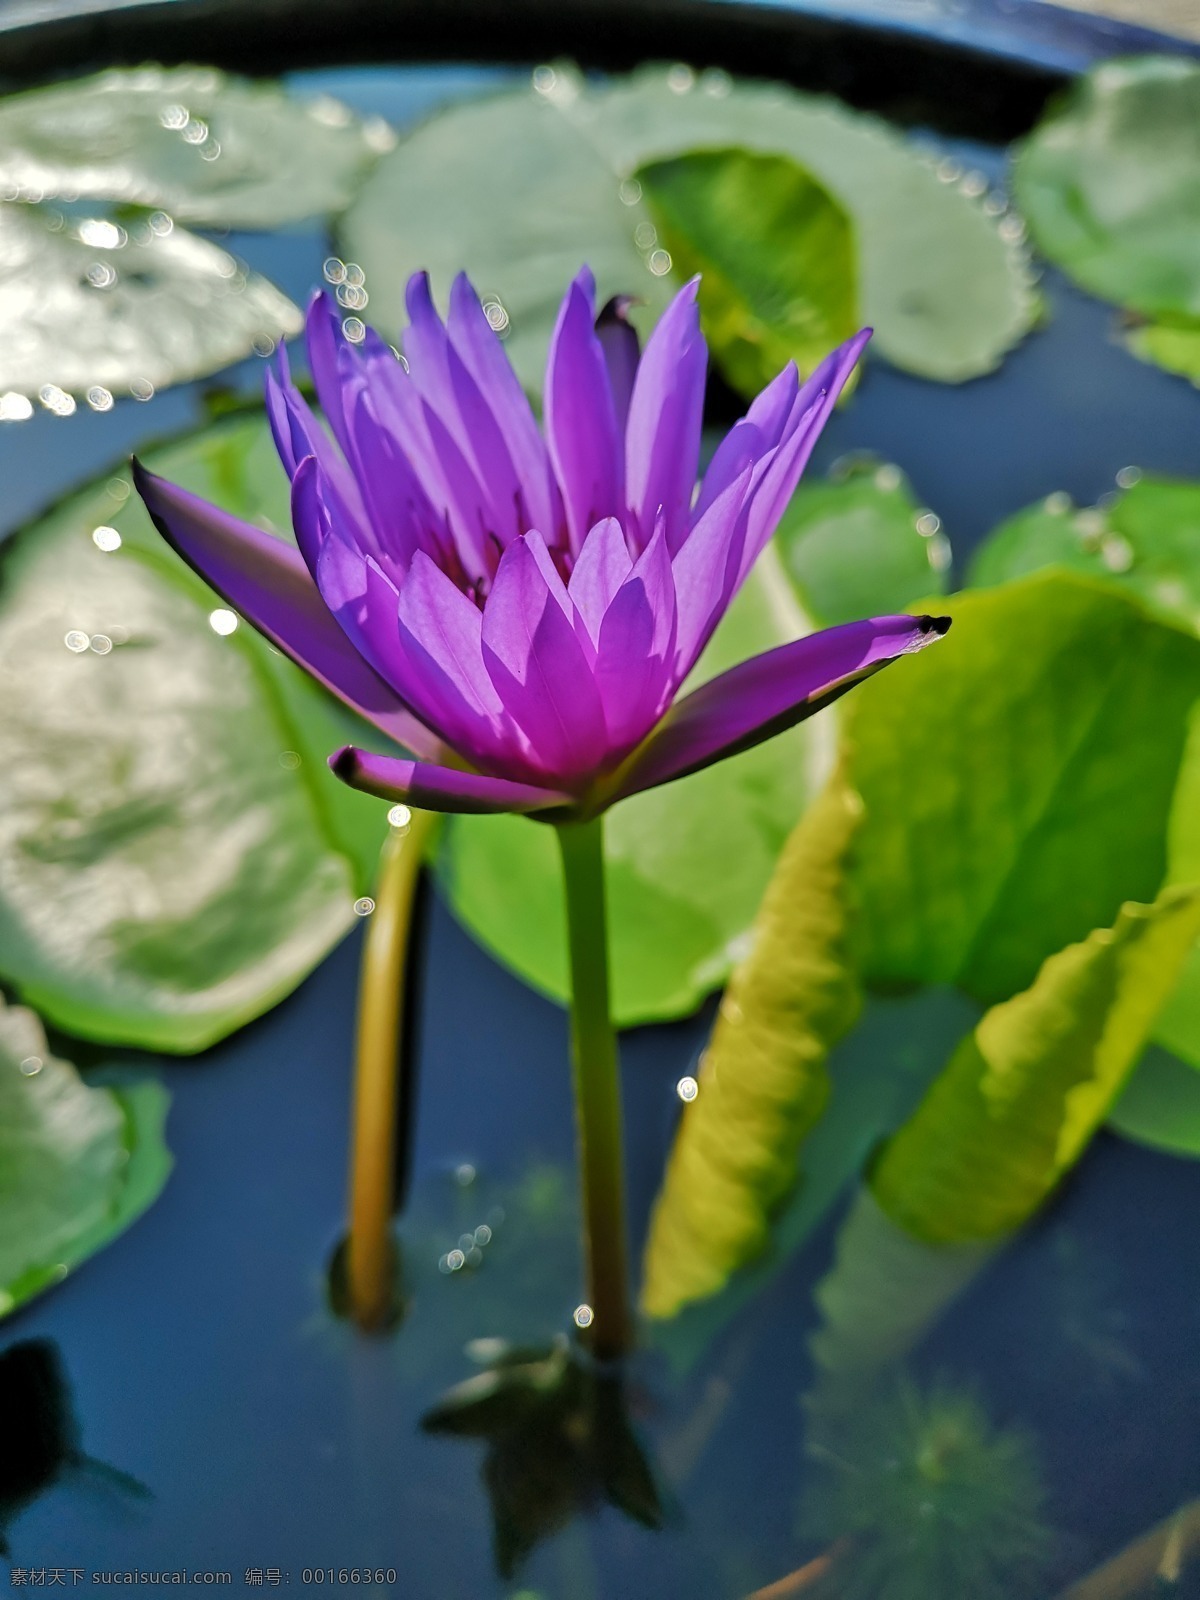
1024,1093
764,1081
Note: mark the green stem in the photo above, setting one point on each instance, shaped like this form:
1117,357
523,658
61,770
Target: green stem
597,1089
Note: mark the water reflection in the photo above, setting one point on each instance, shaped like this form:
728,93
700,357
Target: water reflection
559,1441
41,1441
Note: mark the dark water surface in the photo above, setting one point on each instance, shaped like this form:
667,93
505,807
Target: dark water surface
258,1433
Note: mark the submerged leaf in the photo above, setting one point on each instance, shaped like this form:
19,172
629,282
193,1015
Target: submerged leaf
1017,782
764,1081
213,150
945,293
776,251
1110,183
1022,1096
90,305
174,854
1160,1106
77,1164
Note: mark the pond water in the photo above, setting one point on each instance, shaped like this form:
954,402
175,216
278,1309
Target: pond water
227,1421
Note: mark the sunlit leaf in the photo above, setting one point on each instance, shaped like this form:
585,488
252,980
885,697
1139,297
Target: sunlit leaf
1146,539
213,150
89,305
1024,1093
174,854
77,1164
1172,343
764,1081
1017,781
1110,183
946,294
776,251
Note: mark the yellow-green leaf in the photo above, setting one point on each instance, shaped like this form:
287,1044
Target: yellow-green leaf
764,1081
1023,1094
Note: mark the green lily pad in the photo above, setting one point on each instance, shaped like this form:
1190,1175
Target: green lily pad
776,251
1172,343
1146,540
1110,183
946,293
77,1164
1160,1106
1017,780
859,545
174,854
87,305
213,150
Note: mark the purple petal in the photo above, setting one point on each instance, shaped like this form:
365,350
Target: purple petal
619,342
268,583
481,350
706,569
603,565
636,651
771,692
662,440
581,424
758,431
298,433
433,788
539,665
329,360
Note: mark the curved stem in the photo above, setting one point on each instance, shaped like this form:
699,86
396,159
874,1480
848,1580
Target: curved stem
1159,1554
377,1075
597,1089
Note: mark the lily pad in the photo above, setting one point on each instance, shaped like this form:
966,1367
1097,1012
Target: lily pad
946,293
77,1164
174,854
776,251
1172,343
1018,786
87,305
213,150
859,544
1146,540
1110,183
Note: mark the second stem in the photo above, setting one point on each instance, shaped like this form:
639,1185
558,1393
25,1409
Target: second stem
597,1089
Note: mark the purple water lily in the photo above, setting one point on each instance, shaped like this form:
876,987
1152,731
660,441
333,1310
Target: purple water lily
520,611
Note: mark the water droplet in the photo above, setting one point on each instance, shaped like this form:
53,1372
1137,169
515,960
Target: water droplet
100,644
101,276
544,80
61,1271
1091,528
496,314
464,1174
1012,230
355,276
888,477
1128,476
483,1234
474,1257
222,621
329,111
630,191
196,131
583,1316
1057,504
455,1260
99,398
1117,553
31,1066
174,117
101,235
939,552
973,185
76,641
263,345
289,760
354,330
379,135
351,297
160,224
334,271
659,263
141,389
56,400
929,523
399,817
687,1089
106,538
680,78
211,150
15,407
716,82
364,906
645,235
949,170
